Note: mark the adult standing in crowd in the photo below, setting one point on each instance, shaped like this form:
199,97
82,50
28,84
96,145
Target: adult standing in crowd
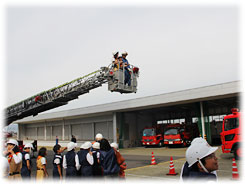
108,159
73,139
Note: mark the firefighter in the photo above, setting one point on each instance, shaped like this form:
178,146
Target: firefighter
42,164
86,159
58,161
127,67
201,161
115,62
97,169
26,161
14,158
70,161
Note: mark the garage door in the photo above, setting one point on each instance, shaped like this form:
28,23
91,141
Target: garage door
40,133
31,133
86,132
76,130
48,133
57,131
105,128
67,132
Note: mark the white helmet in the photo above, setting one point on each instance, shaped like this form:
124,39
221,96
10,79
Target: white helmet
86,145
96,145
124,53
198,140
114,145
198,151
99,136
71,146
28,145
13,141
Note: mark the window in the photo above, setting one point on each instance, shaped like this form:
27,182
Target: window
231,123
172,131
149,132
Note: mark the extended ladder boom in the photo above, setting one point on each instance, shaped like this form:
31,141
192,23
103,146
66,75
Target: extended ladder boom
62,94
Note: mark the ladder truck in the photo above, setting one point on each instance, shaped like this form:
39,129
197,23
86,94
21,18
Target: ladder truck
64,93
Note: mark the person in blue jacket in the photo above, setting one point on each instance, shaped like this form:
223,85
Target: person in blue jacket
201,162
108,159
86,160
26,161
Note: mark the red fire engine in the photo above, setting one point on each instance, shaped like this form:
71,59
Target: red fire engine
181,134
231,133
153,136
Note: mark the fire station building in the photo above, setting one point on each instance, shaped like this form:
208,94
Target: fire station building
124,121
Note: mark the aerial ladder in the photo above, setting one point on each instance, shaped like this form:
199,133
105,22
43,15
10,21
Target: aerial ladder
61,95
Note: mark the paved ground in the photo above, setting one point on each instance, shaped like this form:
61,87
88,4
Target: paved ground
138,163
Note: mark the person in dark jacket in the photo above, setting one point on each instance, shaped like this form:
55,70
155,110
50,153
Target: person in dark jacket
57,162
26,161
86,160
108,159
73,139
70,161
201,162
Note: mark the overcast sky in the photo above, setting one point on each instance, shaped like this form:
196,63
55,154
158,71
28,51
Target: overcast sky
175,47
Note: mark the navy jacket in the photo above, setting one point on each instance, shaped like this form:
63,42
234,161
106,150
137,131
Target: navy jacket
109,162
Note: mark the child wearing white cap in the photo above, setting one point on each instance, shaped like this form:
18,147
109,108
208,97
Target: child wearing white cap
26,161
14,158
97,169
86,159
70,161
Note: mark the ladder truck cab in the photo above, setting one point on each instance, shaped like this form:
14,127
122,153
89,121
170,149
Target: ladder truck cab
231,133
180,134
153,136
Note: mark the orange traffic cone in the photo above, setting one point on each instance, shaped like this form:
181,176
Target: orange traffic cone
171,167
235,174
153,161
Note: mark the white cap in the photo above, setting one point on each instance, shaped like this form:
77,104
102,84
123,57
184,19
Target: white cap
114,145
99,136
96,145
28,145
71,146
86,145
13,141
198,151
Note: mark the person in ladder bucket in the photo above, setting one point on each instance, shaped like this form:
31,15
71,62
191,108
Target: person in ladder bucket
115,61
70,161
14,158
42,164
26,161
97,169
58,161
201,162
86,160
127,67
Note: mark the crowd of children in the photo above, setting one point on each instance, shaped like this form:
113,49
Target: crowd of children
93,160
